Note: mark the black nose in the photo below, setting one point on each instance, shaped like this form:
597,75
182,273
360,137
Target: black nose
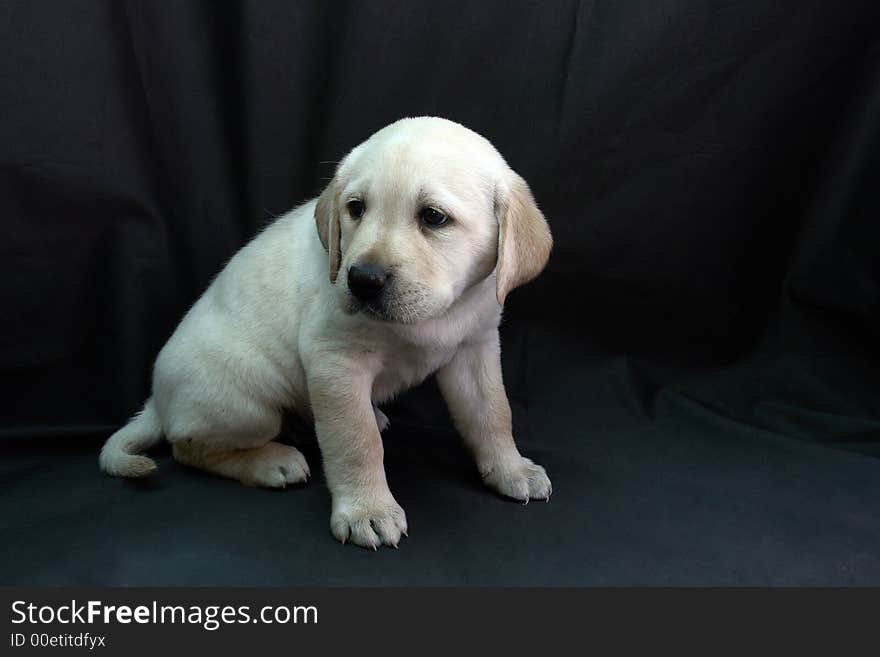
366,281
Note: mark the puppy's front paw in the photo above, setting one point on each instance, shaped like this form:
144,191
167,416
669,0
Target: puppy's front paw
382,420
521,479
368,523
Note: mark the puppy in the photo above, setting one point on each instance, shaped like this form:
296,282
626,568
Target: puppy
398,271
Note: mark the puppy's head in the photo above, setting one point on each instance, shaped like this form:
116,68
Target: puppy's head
420,212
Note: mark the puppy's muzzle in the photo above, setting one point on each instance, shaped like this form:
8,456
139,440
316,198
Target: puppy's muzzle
367,281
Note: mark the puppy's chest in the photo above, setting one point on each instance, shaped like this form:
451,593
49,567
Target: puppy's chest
406,367
410,354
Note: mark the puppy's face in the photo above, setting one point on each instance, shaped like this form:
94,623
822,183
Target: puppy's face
416,215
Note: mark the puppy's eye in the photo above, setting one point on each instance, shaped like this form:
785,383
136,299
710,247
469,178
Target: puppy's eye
432,217
356,209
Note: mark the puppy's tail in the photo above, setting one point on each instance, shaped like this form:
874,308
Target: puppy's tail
119,455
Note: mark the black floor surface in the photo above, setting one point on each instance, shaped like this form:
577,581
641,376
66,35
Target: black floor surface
672,494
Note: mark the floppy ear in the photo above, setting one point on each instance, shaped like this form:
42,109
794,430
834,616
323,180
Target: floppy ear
327,223
524,239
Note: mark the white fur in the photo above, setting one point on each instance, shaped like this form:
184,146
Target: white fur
272,334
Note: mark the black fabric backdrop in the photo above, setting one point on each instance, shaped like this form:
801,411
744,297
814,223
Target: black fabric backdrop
703,340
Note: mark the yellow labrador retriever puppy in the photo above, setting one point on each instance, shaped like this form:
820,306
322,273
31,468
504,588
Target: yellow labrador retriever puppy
399,270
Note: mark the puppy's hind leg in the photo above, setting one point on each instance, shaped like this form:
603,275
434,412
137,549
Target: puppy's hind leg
273,465
248,455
